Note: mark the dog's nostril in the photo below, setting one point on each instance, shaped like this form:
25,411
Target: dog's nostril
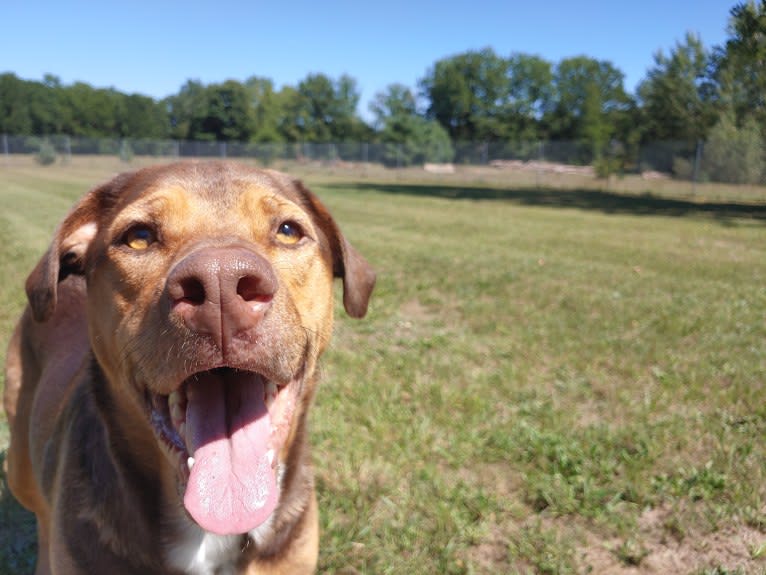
251,288
192,291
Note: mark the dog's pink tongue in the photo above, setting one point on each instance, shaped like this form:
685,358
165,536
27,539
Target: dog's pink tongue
231,486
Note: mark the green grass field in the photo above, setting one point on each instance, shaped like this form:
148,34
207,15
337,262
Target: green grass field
549,381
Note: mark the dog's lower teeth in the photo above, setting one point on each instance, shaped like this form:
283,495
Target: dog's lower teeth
270,394
177,409
190,463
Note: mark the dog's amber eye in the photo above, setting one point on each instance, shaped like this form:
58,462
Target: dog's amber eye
289,233
139,238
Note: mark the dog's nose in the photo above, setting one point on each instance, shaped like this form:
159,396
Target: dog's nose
221,292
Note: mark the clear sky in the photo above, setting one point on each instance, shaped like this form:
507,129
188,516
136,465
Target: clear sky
153,47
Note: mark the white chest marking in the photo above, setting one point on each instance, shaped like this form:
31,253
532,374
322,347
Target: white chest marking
203,553
199,552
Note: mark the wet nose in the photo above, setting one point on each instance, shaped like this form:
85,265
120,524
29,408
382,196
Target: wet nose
221,292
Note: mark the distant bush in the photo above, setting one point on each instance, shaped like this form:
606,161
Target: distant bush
735,155
414,140
683,168
46,153
126,151
108,147
605,166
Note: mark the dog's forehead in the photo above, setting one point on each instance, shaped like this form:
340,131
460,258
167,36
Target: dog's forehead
218,186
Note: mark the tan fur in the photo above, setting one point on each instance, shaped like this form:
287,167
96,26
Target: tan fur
97,337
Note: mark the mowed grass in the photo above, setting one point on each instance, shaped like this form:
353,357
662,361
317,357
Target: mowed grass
547,382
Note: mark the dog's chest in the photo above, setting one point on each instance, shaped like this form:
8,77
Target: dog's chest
197,552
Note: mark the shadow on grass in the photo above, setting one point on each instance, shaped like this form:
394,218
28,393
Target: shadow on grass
584,199
18,537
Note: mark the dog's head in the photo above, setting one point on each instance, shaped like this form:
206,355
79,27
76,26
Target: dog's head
209,289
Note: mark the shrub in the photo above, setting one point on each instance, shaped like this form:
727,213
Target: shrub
606,166
413,140
126,151
683,168
735,155
46,153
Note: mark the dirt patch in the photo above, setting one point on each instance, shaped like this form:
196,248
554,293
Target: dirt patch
491,555
656,549
413,322
519,546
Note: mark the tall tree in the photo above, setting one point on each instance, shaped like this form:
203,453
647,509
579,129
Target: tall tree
589,100
93,111
530,95
141,117
265,103
408,137
229,114
677,95
466,93
15,116
47,107
186,110
397,101
321,110
735,153
741,63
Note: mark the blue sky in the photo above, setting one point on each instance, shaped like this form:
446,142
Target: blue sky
153,47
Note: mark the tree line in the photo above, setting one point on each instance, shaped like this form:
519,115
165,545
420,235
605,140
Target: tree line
689,94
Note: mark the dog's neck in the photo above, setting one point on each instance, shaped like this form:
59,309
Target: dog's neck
125,498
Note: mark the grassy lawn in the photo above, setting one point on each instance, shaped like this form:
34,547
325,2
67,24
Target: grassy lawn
549,381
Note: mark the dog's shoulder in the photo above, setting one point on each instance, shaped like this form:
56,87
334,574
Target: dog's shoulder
81,453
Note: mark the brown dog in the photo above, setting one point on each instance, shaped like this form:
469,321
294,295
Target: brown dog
158,383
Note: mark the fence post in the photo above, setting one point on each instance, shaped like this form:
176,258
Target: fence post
697,162
540,159
67,149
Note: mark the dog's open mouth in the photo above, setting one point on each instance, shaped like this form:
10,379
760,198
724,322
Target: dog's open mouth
224,428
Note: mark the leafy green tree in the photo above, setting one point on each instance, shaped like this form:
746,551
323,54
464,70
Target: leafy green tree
465,94
293,119
15,116
46,106
93,111
677,95
186,110
594,125
408,138
228,115
740,65
735,154
141,117
396,102
266,109
589,101
530,94
321,110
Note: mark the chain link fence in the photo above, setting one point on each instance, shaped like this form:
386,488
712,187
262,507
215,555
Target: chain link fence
727,162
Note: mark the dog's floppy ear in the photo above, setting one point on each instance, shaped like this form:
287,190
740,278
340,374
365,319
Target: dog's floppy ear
65,255
348,264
